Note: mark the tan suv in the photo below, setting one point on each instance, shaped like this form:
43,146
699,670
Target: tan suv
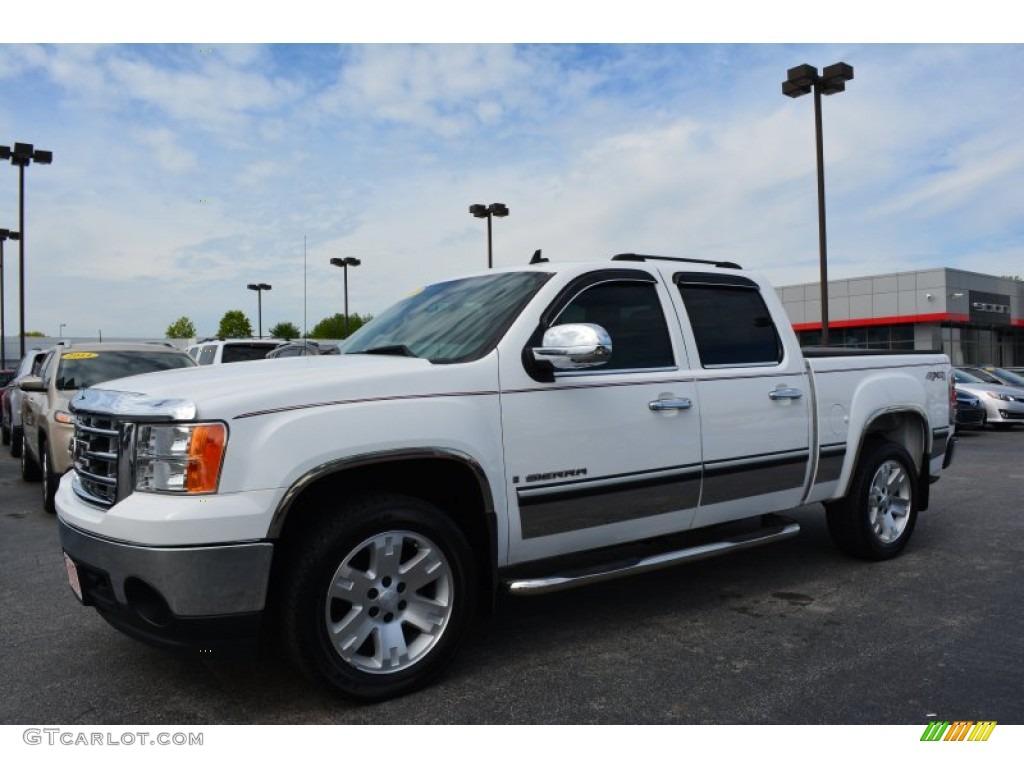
47,424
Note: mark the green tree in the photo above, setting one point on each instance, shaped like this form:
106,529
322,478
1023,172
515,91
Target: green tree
35,334
285,331
182,328
234,325
333,327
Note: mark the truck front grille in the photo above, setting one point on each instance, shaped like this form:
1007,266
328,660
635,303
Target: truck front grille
97,453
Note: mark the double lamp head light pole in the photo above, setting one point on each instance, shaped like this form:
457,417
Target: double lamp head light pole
488,212
345,263
5,235
801,81
259,288
22,155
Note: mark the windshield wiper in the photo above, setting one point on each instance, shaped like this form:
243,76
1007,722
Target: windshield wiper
388,349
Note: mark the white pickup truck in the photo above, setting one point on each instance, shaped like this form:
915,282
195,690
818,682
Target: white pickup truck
526,429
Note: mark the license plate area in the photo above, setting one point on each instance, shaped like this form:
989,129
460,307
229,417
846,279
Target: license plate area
73,580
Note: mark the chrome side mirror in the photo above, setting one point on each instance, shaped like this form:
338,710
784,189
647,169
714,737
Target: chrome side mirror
31,384
575,345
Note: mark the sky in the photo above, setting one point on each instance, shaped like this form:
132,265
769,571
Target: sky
184,171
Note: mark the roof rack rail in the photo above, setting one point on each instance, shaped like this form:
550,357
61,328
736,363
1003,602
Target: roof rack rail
645,257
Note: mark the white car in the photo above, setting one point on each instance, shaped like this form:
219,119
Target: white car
216,351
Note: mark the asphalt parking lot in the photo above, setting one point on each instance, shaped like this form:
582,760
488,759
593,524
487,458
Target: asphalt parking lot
791,633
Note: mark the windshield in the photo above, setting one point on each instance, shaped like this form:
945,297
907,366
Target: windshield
983,375
1014,379
451,322
965,378
84,369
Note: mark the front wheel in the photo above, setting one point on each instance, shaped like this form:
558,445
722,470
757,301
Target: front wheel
50,479
377,599
876,518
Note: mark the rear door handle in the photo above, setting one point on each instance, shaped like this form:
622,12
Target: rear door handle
678,404
785,393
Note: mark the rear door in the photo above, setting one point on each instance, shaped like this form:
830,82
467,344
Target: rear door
754,396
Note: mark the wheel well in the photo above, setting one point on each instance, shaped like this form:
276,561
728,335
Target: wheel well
450,485
909,430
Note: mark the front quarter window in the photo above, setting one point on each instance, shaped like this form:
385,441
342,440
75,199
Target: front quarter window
453,322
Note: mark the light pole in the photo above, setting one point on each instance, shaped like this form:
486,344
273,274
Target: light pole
345,263
801,81
5,234
259,288
60,331
22,155
488,212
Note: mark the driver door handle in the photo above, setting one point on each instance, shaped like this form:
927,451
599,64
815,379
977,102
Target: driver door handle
785,393
677,404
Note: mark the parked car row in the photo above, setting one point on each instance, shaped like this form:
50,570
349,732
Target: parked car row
215,351
987,394
38,426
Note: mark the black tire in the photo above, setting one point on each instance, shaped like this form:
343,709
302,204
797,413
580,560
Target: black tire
29,467
5,430
342,580
49,477
16,433
876,518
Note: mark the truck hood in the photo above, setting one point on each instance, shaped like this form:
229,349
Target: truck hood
229,390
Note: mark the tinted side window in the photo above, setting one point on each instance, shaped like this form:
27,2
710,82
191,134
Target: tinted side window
207,353
243,351
732,325
634,319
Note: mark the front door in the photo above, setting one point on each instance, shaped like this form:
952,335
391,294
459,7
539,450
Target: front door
609,454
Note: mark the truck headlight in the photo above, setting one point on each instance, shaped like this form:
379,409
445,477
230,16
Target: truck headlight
179,458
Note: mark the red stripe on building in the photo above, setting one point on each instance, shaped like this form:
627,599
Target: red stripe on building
938,317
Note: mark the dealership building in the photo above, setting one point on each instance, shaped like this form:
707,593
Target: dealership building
973,318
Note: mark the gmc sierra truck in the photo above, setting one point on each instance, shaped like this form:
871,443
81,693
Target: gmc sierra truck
528,430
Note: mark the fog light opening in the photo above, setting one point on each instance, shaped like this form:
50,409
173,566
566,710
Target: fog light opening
147,602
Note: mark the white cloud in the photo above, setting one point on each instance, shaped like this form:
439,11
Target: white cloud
681,150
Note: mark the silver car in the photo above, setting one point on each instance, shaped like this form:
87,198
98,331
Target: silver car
1004,405
994,375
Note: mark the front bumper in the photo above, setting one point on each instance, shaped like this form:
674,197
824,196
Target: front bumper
184,598
1003,411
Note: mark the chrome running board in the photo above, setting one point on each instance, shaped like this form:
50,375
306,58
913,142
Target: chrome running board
782,529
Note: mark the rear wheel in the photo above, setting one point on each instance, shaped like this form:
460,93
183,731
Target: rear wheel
16,433
876,518
377,599
29,467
